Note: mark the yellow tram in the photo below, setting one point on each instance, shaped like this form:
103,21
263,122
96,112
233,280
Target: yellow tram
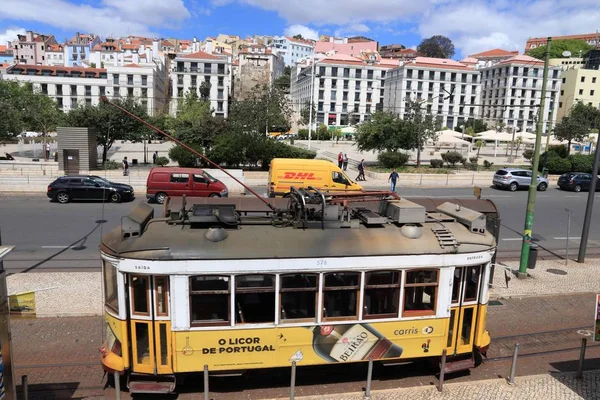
234,285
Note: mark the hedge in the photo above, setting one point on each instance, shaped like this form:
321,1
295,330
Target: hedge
391,159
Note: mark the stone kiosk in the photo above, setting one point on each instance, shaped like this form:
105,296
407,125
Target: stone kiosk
77,150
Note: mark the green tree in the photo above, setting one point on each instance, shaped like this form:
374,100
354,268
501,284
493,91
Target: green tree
437,46
479,144
558,47
477,126
42,113
423,127
283,82
110,123
183,157
13,103
298,36
205,91
574,127
383,132
305,113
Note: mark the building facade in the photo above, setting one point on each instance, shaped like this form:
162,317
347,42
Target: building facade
490,57
190,71
511,93
55,55
30,48
568,63
591,38
79,49
578,85
146,84
292,50
6,55
346,90
398,51
445,88
257,66
342,46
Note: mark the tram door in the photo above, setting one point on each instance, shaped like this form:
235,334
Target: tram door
150,324
463,313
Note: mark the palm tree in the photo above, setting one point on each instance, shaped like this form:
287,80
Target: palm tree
479,144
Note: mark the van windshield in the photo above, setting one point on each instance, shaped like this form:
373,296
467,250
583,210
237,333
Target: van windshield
209,176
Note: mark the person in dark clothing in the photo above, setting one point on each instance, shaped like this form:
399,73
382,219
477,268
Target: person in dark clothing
125,166
340,160
361,171
393,178
154,157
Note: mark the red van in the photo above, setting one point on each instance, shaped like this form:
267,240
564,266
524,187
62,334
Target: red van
166,182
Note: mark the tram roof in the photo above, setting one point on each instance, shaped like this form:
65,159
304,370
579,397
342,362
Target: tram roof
160,240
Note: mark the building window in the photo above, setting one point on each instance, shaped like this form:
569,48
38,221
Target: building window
73,90
102,91
210,300
144,92
332,107
255,298
207,68
594,80
562,92
144,80
358,73
88,90
116,79
591,92
130,79
582,79
219,106
194,81
220,94
220,82
130,92
59,91
580,91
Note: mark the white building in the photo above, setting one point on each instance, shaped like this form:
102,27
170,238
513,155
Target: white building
190,71
511,93
445,88
75,86
55,55
346,89
292,50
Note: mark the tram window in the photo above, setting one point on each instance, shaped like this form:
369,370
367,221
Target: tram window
456,283
298,297
473,275
340,295
420,292
382,291
111,289
139,292
142,341
209,300
162,296
467,325
255,299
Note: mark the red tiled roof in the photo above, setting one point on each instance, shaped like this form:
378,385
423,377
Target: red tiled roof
522,59
202,56
301,41
495,53
3,48
40,68
54,47
130,47
353,62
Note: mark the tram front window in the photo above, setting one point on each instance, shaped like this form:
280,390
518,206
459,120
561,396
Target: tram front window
110,286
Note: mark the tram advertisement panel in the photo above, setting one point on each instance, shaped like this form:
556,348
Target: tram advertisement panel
272,347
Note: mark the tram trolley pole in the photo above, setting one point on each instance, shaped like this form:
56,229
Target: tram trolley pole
513,367
440,386
117,385
367,395
293,381
581,358
206,388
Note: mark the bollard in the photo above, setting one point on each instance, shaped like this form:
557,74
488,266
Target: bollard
513,367
421,180
293,381
369,377
581,358
442,372
24,387
473,180
206,389
117,385
447,177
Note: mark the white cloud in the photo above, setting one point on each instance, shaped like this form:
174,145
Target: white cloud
305,31
10,34
116,17
352,30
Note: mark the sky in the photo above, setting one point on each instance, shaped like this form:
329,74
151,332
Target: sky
472,25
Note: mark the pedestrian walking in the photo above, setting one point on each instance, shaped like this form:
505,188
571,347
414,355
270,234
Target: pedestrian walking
47,151
125,166
154,157
340,160
393,178
361,171
345,162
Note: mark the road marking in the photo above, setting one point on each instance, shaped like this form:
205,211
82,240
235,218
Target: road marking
573,196
512,239
565,238
55,247
497,195
543,197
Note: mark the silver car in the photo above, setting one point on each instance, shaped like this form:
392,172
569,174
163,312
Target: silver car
515,178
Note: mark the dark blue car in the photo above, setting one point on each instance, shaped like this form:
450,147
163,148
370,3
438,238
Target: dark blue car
577,181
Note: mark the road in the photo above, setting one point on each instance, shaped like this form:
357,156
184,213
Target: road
52,236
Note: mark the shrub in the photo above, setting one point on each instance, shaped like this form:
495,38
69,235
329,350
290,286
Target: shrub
162,161
184,157
436,163
528,154
474,160
111,164
487,164
302,134
559,149
391,159
582,162
558,165
452,158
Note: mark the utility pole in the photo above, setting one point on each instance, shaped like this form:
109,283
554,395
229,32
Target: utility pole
548,133
589,206
527,231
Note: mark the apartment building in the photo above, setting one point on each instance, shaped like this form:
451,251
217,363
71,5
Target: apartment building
511,93
343,46
256,65
345,89
568,63
6,55
445,88
191,70
30,48
578,85
591,38
79,49
71,87
292,49
55,55
398,51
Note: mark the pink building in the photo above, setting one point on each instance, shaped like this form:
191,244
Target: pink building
352,49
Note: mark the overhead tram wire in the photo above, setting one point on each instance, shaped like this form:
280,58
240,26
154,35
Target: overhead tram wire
105,100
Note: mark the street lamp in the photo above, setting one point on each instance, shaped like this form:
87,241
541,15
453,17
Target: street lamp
312,76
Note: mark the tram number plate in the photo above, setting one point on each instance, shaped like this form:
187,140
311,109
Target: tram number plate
321,263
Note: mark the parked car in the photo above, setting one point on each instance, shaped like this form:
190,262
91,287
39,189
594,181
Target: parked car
515,178
577,181
166,182
88,187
